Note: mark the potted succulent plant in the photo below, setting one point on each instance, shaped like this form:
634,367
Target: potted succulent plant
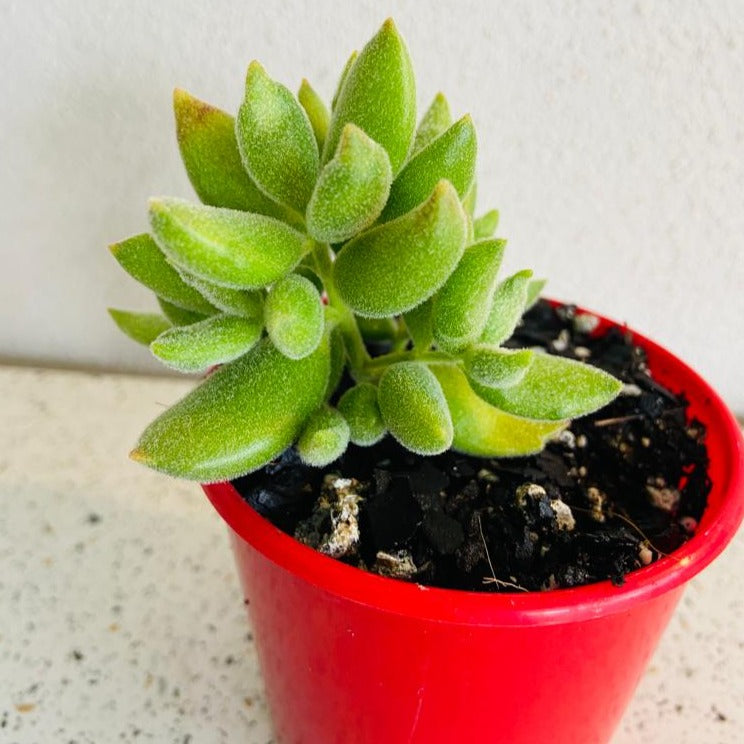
336,278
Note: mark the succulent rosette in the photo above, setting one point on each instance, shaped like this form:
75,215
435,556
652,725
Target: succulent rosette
323,235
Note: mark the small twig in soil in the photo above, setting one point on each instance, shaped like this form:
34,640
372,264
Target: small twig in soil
633,417
492,579
632,524
618,420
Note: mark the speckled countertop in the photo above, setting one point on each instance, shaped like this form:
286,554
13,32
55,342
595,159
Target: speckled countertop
120,614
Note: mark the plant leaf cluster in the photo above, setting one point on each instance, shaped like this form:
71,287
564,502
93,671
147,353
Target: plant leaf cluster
324,233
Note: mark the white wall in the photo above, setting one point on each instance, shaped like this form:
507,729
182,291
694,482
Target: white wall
611,138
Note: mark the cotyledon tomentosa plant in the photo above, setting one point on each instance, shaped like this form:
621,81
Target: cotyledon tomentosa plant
320,232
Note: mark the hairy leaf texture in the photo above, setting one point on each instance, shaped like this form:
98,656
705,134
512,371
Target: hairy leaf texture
324,438
179,316
533,292
243,302
239,418
378,94
495,367
209,150
224,246
394,267
485,431
485,226
436,120
509,302
420,324
316,111
352,188
554,388
461,307
360,409
141,258
196,347
276,141
450,156
294,316
414,409
342,78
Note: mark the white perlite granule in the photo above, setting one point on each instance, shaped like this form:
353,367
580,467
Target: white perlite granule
343,502
563,515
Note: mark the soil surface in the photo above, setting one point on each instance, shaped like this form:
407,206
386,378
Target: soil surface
612,493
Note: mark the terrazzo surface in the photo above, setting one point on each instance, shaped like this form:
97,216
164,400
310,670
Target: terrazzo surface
121,618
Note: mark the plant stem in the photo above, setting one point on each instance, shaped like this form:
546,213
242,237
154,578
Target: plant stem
358,355
362,366
375,367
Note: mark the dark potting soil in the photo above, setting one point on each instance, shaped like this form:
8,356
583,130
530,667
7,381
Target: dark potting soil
610,494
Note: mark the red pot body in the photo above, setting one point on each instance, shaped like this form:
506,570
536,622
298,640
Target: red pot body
353,658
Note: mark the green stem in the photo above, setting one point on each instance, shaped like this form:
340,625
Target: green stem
362,366
358,355
375,367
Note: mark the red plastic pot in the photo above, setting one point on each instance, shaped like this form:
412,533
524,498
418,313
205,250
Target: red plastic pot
352,658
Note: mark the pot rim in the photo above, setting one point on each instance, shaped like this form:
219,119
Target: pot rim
717,527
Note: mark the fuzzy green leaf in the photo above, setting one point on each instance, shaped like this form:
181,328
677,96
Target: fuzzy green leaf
179,316
485,226
324,438
195,347
420,324
276,140
246,303
533,292
316,111
509,302
352,188
141,327
485,431
554,388
495,367
414,409
451,156
209,150
141,258
468,201
394,267
238,419
342,79
436,121
224,246
462,305
294,316
359,407
379,96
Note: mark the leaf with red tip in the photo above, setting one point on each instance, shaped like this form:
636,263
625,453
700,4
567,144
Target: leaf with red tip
209,150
